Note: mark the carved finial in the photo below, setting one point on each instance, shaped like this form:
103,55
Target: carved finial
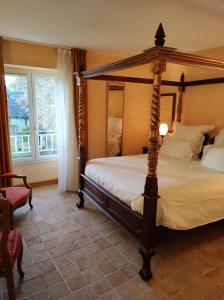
182,83
160,36
182,77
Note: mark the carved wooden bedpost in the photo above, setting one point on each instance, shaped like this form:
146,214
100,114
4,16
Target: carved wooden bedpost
180,100
81,82
151,183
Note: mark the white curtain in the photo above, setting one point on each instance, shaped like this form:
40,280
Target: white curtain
68,177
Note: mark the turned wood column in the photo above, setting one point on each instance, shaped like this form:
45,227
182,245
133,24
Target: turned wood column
81,82
180,99
82,131
151,185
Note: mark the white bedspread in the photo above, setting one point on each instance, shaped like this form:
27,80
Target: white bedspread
191,195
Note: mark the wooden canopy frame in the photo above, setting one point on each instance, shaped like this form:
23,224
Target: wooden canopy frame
143,227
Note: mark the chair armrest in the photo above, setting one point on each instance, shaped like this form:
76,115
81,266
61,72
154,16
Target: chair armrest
3,192
12,175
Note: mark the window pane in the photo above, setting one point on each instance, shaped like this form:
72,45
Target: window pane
19,115
46,115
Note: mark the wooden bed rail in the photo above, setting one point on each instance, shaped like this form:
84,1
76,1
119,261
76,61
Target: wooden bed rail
170,54
134,80
205,81
192,83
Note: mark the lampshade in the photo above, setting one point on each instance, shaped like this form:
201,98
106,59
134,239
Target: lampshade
163,129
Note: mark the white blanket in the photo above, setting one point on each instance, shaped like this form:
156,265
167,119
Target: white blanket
191,195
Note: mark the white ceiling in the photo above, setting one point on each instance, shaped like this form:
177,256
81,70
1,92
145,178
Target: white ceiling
117,26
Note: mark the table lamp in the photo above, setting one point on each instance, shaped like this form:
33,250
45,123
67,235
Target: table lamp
163,129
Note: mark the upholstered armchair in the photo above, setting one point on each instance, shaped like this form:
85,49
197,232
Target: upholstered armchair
17,196
11,249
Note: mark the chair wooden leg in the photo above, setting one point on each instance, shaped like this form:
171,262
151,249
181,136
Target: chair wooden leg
30,200
10,284
19,263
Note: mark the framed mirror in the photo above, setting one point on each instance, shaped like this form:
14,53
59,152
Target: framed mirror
115,109
168,109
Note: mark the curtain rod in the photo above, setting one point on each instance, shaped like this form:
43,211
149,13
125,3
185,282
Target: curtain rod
34,43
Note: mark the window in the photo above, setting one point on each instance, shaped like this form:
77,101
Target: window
32,114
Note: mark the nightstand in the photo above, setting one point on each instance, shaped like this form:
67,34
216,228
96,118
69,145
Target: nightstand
145,149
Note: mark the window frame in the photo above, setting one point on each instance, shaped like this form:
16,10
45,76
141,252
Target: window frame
32,73
37,154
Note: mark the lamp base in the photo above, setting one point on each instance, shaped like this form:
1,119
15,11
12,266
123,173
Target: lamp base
162,136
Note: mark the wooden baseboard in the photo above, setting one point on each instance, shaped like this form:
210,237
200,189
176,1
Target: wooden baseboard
44,183
41,183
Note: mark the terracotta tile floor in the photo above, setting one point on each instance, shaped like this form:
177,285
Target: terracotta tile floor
81,254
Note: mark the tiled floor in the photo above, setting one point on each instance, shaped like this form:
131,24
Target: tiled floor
81,254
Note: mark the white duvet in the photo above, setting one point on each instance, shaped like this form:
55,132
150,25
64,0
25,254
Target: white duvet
191,195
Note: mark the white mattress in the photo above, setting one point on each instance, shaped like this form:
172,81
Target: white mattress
191,195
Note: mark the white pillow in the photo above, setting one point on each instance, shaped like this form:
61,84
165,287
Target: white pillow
213,158
176,148
192,134
206,149
219,139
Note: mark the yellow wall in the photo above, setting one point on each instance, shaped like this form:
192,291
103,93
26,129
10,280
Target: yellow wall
38,172
17,53
25,54
205,104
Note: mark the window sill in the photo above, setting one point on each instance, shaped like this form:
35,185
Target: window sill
33,162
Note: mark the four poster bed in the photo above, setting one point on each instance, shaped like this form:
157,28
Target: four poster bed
143,216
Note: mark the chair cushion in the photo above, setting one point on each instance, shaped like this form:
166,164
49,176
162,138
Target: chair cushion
14,244
17,196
